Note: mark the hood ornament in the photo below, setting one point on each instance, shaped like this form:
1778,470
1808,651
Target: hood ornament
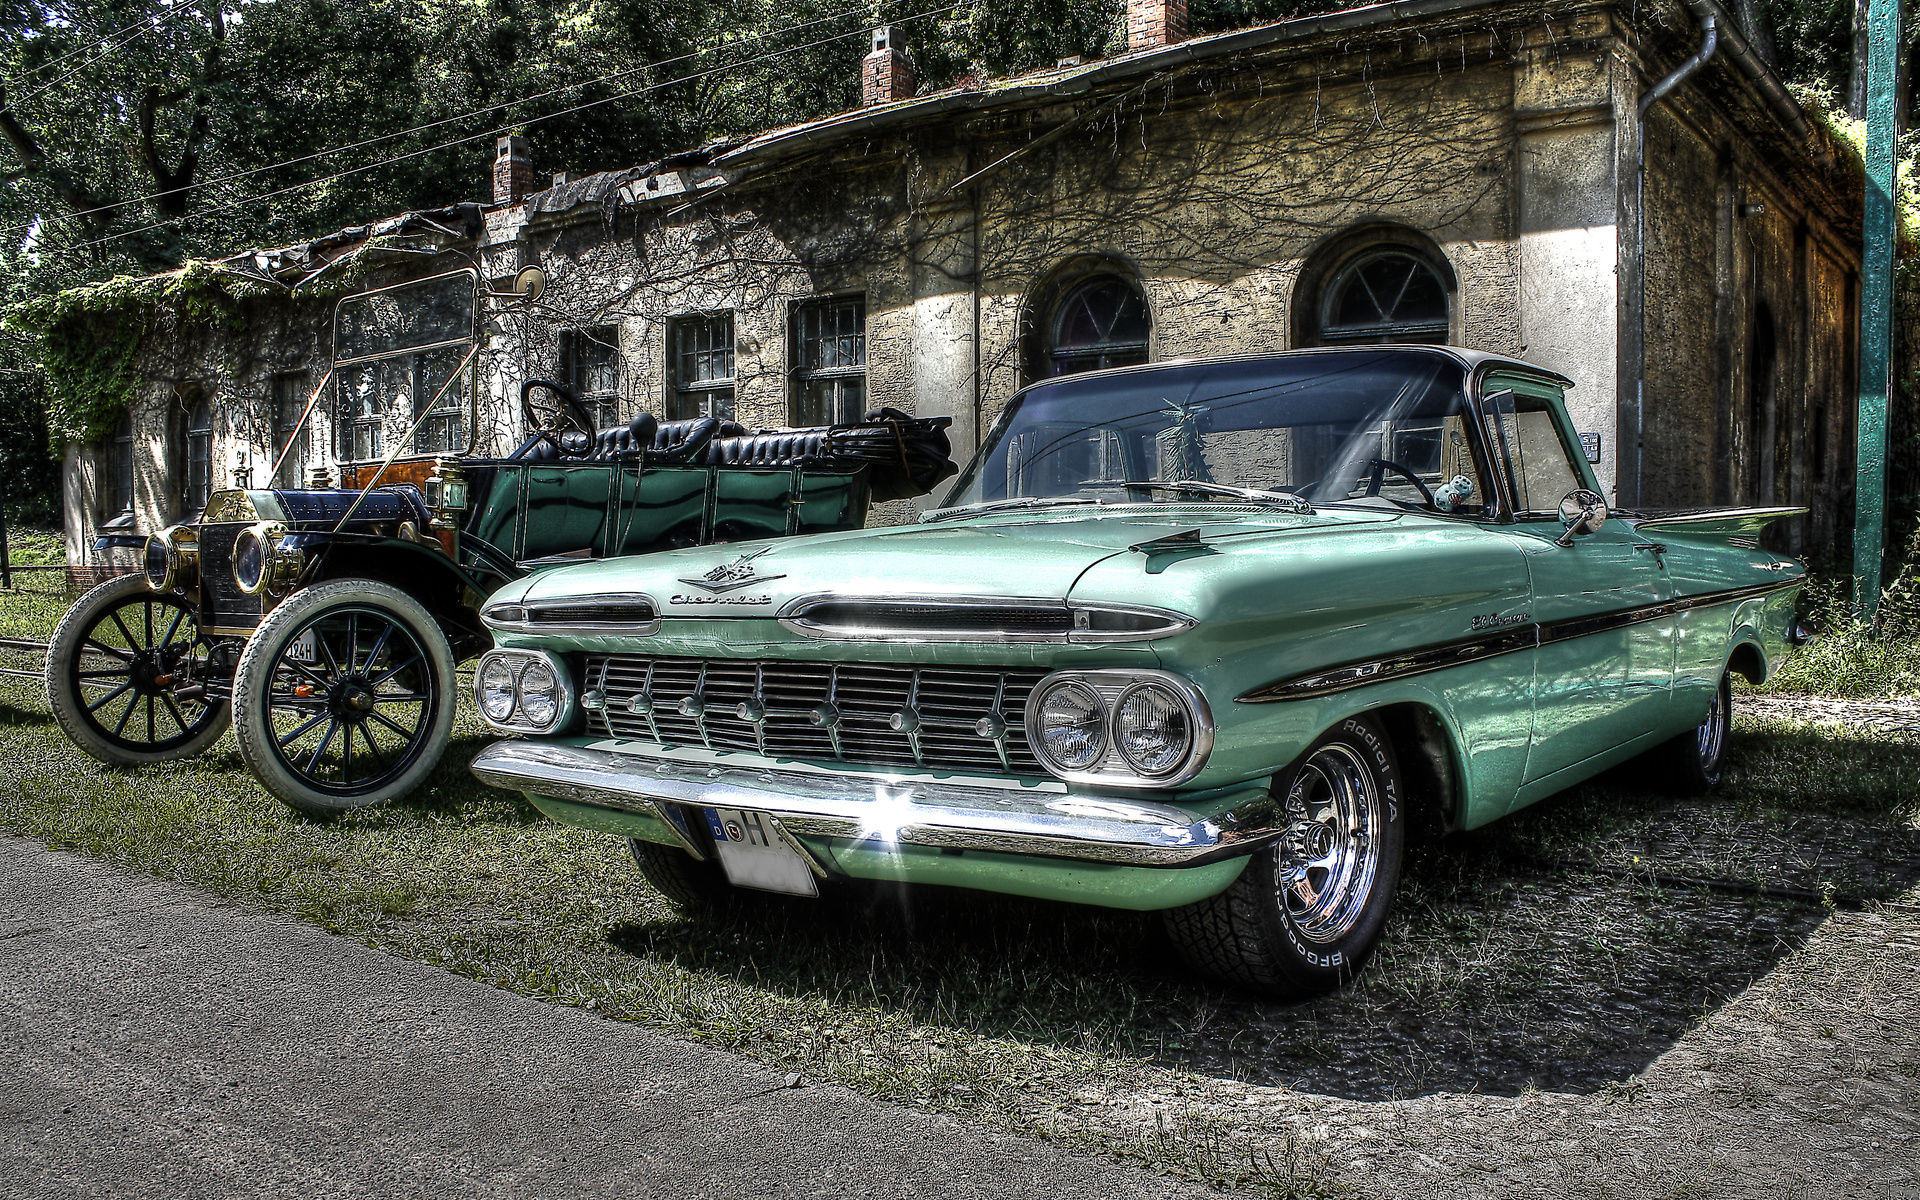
728,577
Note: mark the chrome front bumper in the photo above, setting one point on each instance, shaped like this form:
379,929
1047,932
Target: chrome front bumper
863,807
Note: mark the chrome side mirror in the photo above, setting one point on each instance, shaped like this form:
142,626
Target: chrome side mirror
1581,511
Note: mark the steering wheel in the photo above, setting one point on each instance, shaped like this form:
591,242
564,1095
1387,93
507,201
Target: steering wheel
1380,467
548,422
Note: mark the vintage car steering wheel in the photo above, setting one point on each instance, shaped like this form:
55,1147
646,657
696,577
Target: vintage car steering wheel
551,424
1380,467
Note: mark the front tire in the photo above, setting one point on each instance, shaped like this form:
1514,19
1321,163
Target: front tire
1306,914
692,886
344,697
112,667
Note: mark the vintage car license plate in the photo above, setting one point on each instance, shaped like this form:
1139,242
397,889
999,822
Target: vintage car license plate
304,648
754,856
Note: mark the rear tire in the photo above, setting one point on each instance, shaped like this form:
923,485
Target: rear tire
1694,763
1306,913
102,665
691,885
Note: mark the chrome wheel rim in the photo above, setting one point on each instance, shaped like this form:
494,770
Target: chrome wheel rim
1711,737
1330,854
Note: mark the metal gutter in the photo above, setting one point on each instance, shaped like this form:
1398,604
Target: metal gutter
1756,70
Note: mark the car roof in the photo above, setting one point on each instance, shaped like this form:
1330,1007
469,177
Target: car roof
1472,360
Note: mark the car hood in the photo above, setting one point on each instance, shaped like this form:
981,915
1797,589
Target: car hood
989,557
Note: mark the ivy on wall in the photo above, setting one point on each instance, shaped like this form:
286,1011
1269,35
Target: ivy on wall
92,337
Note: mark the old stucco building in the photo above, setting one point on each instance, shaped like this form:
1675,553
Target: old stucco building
1458,170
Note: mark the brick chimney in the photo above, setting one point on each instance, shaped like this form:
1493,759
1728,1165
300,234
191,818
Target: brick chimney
885,75
1152,24
512,170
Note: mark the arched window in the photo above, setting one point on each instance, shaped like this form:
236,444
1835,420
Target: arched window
1384,295
1100,322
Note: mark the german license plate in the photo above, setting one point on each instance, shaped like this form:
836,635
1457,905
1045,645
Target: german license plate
755,856
304,648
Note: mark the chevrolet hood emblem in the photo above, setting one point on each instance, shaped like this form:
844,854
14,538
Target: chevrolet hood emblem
728,577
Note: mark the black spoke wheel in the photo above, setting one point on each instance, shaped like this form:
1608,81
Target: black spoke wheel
126,675
344,698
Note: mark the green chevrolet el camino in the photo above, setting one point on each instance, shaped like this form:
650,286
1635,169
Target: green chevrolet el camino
1206,637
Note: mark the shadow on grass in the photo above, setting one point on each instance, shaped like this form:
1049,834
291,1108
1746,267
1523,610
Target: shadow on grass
1510,962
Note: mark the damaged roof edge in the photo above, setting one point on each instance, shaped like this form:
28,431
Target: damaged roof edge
1054,84
1089,77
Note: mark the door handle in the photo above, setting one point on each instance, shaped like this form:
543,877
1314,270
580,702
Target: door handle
1657,549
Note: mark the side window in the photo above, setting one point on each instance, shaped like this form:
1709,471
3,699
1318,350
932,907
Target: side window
289,402
829,356
116,483
700,355
590,366
1535,449
199,454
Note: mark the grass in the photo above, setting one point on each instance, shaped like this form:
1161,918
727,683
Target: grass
1509,964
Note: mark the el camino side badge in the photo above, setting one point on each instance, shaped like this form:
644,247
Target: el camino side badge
729,577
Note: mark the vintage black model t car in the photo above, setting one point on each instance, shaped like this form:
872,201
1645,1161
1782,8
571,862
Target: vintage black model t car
324,621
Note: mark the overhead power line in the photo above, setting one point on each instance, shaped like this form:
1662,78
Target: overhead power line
151,24
101,241
478,112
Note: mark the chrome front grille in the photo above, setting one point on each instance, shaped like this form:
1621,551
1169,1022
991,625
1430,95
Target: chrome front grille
933,718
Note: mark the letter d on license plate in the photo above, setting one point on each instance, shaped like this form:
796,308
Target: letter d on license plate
754,854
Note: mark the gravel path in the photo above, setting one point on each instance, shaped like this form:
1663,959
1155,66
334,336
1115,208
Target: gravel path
158,1043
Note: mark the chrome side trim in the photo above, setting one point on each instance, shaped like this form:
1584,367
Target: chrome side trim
1078,620
1420,660
870,807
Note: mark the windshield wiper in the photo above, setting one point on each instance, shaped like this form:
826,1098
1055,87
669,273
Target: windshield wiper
991,506
1200,487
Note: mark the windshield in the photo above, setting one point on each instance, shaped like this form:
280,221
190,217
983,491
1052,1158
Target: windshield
1385,429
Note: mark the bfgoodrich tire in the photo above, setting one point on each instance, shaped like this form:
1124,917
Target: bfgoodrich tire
1305,915
344,697
111,669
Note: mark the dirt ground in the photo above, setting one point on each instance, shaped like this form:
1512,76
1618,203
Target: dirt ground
1757,1033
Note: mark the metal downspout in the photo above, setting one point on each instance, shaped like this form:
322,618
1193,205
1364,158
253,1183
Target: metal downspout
1709,42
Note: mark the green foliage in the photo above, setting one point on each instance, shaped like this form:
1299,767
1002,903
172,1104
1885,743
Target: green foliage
1852,659
90,337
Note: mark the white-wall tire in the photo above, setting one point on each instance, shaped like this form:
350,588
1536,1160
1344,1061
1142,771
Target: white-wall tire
344,697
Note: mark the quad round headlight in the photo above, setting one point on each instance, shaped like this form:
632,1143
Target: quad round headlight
1072,726
1152,729
538,694
495,689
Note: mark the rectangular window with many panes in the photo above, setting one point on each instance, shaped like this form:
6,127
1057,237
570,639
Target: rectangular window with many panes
829,360
590,367
291,437
700,366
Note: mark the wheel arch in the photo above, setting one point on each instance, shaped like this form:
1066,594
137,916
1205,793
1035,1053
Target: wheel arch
1429,755
1748,659
422,573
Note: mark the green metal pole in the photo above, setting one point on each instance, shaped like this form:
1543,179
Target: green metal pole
1876,308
